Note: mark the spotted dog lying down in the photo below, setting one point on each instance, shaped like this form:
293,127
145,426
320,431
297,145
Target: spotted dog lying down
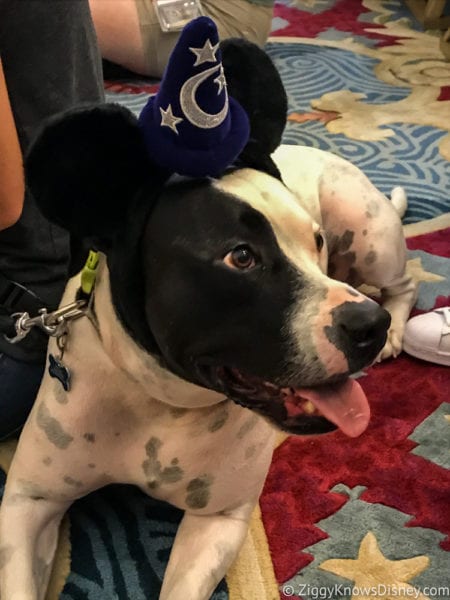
214,322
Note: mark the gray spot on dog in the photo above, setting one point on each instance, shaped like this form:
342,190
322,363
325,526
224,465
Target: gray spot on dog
371,257
6,552
247,427
153,469
199,491
340,258
219,420
354,278
91,465
152,447
331,271
59,394
343,264
47,461
72,482
364,232
373,209
339,244
89,437
250,452
52,428
177,411
346,241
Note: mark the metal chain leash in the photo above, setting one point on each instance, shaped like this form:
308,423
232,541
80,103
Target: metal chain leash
54,324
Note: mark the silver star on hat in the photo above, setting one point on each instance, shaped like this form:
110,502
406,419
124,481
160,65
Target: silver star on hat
205,54
168,119
220,80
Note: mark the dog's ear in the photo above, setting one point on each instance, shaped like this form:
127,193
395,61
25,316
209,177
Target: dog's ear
253,80
85,167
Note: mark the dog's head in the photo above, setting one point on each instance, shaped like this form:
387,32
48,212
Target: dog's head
223,280
237,300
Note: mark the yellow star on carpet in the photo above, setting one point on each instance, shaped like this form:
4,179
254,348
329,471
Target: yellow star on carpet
416,270
447,417
375,576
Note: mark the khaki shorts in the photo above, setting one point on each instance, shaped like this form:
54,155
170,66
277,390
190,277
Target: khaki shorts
234,18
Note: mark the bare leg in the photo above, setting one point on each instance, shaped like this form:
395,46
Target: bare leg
118,32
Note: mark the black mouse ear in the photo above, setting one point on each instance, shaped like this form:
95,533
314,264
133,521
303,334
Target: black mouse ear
84,168
255,83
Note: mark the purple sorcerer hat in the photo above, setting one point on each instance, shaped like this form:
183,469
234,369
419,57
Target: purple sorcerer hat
192,127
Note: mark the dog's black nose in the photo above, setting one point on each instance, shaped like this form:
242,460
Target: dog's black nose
359,330
363,322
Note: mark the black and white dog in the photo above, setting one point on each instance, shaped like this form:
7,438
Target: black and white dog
214,322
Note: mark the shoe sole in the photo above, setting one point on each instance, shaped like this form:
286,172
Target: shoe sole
433,357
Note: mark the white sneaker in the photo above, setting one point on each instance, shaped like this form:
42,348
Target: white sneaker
427,336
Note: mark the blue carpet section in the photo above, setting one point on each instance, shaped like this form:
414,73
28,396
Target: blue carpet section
121,540
410,158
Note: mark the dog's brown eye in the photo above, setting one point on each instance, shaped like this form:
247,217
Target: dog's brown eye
241,257
319,240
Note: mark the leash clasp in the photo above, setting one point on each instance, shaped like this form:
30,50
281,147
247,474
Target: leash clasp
53,324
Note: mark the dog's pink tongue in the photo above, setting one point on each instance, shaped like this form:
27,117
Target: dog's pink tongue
344,404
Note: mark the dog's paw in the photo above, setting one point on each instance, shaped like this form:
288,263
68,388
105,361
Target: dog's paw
393,345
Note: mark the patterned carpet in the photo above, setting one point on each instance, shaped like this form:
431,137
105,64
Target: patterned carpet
365,518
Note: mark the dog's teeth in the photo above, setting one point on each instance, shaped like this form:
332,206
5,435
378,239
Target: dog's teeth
309,407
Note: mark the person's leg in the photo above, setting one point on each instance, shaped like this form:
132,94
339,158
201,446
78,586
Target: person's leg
117,23
129,33
240,18
19,385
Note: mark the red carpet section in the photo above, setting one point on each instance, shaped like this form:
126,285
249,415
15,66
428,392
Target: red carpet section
345,515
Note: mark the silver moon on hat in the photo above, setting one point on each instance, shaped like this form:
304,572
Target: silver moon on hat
192,111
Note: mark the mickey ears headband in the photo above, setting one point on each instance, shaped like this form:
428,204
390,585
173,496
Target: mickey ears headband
192,127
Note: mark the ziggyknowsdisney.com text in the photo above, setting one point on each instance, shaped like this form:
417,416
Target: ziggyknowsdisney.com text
379,591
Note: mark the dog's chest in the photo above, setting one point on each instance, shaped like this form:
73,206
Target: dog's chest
195,466
190,458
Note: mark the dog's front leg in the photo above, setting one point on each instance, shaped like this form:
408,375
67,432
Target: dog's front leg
204,549
398,299
29,527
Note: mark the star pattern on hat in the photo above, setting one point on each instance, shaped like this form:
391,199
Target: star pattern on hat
205,54
220,80
372,568
168,119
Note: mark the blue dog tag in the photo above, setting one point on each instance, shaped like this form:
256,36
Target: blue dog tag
58,370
